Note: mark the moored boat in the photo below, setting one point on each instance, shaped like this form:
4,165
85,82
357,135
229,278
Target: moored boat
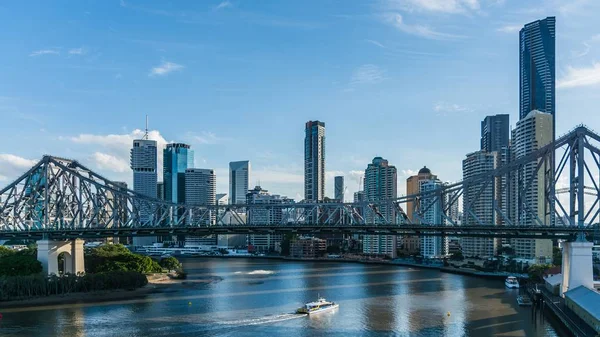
511,282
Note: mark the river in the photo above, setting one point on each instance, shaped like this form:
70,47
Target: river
254,297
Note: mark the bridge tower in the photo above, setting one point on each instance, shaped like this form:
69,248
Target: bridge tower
48,251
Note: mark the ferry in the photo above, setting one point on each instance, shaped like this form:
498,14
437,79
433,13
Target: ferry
319,306
511,282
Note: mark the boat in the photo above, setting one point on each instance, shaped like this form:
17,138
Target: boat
524,301
511,282
319,306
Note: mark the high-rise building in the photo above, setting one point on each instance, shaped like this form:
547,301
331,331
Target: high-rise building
200,189
412,244
380,183
531,207
359,196
495,132
314,161
239,176
339,188
478,203
536,65
432,246
267,215
160,190
143,164
177,158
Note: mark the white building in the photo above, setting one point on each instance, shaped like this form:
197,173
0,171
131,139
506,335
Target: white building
432,246
380,183
478,204
265,216
200,189
239,176
531,208
143,163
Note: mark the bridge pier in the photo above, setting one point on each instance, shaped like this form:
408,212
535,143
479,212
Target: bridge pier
577,266
48,251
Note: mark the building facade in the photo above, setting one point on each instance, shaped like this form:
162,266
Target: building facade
380,183
412,244
530,207
239,177
339,188
495,133
145,176
308,247
432,213
257,215
478,203
536,68
200,189
177,158
314,161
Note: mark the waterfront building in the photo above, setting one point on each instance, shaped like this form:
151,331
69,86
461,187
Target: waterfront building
200,189
529,208
537,68
239,177
412,244
143,161
266,215
308,247
314,161
478,203
432,246
495,133
339,188
584,303
380,183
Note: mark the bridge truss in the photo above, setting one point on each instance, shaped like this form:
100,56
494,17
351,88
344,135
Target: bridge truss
550,192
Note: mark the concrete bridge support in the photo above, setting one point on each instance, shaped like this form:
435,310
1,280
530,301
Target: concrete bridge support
48,251
577,269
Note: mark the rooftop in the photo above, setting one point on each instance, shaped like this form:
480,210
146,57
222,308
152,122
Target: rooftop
586,298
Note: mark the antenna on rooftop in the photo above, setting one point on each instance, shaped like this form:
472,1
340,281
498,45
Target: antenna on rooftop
146,133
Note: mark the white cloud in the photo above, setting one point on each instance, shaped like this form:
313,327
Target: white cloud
110,163
223,5
587,44
397,21
12,166
77,51
442,6
165,68
207,137
367,74
375,43
509,28
409,173
45,52
580,77
444,108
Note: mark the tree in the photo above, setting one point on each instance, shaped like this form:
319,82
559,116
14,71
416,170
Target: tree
170,263
5,251
19,265
536,272
457,256
506,250
333,249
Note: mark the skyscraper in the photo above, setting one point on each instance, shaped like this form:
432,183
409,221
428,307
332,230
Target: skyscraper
239,176
432,246
536,64
381,184
530,207
143,164
314,161
339,188
265,216
478,203
495,132
200,189
177,157
412,244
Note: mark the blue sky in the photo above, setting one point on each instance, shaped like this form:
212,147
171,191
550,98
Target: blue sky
409,80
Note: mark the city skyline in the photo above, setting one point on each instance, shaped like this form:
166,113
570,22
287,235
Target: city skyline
44,114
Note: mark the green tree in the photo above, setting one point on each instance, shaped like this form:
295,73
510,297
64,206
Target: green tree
5,251
170,263
536,272
18,265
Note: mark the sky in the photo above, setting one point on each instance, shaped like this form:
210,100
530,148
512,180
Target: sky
408,80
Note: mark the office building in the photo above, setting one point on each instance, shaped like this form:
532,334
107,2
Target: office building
239,177
380,183
267,215
227,217
530,207
412,244
160,190
200,189
314,161
495,133
359,196
143,164
478,203
339,188
432,246
177,158
536,68
308,247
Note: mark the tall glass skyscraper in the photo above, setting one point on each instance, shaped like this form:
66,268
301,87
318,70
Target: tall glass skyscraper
314,161
239,177
177,158
495,132
537,74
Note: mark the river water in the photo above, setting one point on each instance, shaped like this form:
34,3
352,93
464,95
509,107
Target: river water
255,297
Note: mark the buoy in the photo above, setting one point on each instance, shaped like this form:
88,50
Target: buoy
448,313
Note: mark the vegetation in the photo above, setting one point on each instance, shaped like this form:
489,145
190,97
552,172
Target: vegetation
13,263
109,258
170,263
333,249
509,251
536,272
457,256
22,287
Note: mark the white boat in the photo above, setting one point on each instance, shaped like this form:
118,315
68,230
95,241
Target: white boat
319,306
524,301
511,282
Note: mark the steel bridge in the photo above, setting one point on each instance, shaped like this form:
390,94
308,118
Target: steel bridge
60,198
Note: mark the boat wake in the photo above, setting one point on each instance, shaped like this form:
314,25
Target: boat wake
262,320
256,272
